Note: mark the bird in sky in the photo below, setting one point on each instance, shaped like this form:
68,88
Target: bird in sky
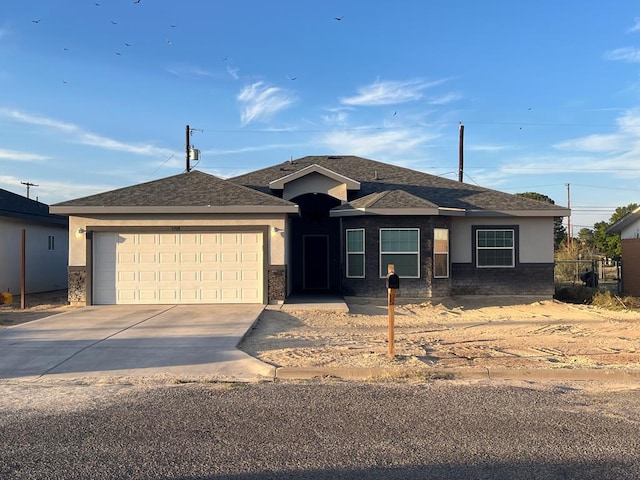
36,21
172,26
168,42
98,4
127,44
117,53
136,1
113,22
339,18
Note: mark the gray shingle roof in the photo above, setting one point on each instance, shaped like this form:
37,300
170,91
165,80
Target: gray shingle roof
388,199
192,189
16,206
376,177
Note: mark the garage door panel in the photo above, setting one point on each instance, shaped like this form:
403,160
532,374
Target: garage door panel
178,268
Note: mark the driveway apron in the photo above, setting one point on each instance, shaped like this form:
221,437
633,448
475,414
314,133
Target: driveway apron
181,341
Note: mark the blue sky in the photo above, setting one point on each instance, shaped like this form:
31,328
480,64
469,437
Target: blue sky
96,95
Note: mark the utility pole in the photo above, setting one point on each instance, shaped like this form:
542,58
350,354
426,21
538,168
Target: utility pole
569,216
188,149
29,184
461,149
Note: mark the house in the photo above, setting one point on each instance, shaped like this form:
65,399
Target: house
46,245
629,229
312,225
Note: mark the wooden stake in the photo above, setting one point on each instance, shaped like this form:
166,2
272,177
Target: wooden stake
391,301
23,282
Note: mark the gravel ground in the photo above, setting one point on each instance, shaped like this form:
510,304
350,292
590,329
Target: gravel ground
320,430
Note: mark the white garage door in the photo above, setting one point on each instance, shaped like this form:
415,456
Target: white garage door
166,268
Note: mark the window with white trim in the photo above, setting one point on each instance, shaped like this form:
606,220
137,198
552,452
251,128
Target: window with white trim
440,253
355,253
401,248
495,248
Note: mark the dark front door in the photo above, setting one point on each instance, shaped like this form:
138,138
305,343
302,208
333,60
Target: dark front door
315,262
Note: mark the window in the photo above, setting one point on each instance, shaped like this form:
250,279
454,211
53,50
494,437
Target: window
52,245
401,248
495,248
440,253
355,253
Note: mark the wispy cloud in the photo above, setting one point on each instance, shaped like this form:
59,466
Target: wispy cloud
233,72
386,144
488,148
51,191
636,26
624,54
190,72
390,92
445,99
594,143
260,102
83,137
16,156
254,148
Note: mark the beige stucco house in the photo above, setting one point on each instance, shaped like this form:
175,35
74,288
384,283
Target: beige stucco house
312,225
45,245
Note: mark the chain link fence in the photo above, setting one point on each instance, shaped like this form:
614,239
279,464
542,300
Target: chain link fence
602,274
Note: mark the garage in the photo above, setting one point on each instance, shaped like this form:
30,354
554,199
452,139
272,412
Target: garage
177,267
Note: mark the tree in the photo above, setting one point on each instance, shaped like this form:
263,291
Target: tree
586,238
610,244
559,230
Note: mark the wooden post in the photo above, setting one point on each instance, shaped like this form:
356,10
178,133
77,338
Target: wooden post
23,282
391,301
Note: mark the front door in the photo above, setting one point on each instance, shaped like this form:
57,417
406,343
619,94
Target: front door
315,262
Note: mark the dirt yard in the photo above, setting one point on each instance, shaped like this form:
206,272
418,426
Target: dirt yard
463,332
37,305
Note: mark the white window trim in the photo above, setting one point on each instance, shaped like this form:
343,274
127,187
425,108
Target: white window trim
416,253
441,253
346,247
512,248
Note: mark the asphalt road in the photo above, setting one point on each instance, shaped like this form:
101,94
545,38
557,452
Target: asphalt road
328,430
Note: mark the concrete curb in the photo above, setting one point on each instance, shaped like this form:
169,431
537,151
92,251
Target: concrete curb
381,373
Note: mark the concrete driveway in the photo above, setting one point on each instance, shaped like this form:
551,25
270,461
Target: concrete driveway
173,341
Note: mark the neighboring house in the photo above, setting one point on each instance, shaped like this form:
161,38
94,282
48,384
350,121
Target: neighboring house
46,245
312,225
629,229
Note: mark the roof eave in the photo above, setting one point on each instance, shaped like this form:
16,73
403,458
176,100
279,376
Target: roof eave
384,211
564,212
90,210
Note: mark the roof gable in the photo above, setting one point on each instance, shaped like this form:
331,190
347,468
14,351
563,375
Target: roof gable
280,183
628,220
377,177
187,192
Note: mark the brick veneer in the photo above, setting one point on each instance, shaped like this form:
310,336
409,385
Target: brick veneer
374,286
464,279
